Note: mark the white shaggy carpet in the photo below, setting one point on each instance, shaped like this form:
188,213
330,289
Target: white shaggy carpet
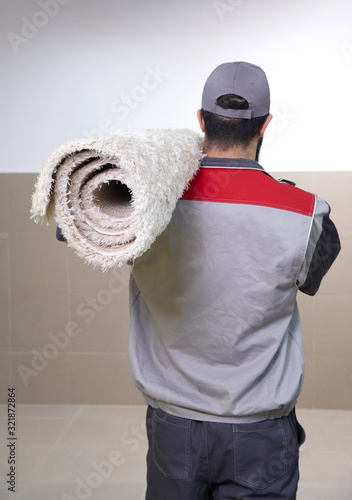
113,196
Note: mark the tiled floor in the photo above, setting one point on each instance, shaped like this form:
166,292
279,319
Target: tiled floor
98,453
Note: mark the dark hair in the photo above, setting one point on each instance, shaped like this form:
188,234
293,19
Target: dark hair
224,132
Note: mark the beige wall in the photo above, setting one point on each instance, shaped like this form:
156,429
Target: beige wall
48,294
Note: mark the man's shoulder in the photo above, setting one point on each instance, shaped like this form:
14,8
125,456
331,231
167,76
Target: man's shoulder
248,184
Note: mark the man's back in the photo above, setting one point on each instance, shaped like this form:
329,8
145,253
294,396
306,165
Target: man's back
215,331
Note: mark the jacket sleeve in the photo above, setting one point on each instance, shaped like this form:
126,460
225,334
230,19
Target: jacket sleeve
322,249
59,235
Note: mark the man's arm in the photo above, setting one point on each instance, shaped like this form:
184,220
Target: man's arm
323,248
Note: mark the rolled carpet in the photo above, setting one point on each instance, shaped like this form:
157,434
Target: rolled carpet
112,196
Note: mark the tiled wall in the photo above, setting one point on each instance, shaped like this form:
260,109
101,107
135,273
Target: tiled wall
64,325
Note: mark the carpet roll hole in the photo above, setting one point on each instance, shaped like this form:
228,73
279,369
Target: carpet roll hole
113,198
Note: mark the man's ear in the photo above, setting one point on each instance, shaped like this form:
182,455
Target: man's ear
201,120
265,124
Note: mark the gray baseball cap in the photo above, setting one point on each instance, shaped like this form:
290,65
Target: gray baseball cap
243,79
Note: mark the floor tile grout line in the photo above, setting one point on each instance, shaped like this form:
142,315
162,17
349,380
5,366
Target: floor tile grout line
67,426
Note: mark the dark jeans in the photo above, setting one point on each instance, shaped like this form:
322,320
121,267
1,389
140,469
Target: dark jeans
192,460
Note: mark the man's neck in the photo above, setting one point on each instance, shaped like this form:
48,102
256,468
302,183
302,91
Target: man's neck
234,152
218,153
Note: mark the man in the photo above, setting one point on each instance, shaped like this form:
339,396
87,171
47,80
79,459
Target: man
215,336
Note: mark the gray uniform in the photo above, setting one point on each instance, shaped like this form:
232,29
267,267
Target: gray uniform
215,332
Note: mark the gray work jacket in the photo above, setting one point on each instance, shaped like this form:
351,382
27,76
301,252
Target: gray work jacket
215,332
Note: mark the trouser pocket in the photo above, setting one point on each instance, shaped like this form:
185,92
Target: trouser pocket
169,443
260,453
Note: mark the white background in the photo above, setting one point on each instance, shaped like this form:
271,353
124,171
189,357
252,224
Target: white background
67,65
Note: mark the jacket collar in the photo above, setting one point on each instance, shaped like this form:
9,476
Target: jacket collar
242,163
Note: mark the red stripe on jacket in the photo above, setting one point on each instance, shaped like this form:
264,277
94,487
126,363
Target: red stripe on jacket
249,187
